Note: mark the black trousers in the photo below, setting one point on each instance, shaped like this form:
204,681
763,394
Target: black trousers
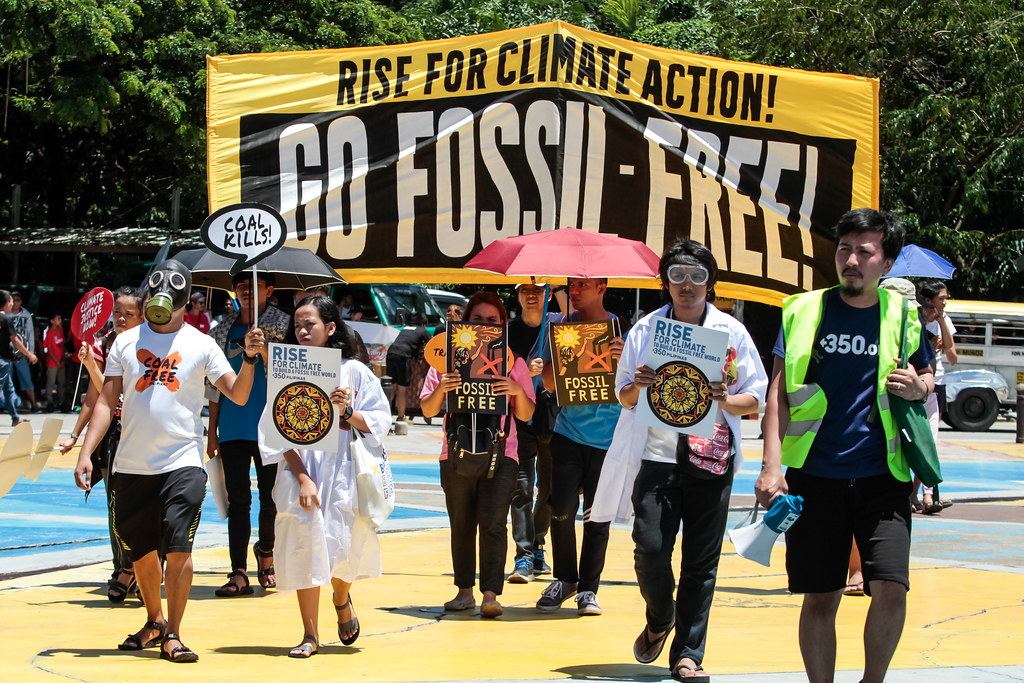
530,520
479,504
236,457
663,498
576,466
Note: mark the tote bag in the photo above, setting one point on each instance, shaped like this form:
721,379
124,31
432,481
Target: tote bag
912,422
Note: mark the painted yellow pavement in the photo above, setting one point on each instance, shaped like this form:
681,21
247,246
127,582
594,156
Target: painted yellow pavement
59,625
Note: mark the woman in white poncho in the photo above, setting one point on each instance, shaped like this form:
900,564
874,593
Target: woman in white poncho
322,538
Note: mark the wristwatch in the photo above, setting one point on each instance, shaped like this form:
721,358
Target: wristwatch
251,360
347,414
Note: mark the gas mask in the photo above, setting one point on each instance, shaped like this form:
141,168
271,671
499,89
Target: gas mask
169,288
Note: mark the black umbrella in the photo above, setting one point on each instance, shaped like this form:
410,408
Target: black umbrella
291,267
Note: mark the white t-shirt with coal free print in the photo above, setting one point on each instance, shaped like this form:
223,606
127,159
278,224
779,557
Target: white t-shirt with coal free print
163,376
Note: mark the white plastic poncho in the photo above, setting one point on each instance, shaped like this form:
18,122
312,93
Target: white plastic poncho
313,546
613,498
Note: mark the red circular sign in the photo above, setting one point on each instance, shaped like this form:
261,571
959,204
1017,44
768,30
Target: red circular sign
92,313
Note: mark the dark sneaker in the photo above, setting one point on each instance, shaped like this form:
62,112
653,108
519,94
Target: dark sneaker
523,573
554,595
586,604
540,567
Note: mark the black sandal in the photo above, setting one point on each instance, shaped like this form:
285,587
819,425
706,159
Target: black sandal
180,654
352,623
232,589
134,642
698,677
117,591
264,576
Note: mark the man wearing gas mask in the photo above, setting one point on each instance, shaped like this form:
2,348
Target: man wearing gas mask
158,482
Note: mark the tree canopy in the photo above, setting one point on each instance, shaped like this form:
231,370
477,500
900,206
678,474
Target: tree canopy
104,100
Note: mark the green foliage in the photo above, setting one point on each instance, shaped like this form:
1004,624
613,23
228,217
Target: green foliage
952,113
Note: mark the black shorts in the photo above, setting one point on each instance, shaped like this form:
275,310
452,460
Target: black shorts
157,511
874,510
400,370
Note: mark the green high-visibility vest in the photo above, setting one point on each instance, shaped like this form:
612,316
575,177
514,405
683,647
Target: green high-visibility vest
801,316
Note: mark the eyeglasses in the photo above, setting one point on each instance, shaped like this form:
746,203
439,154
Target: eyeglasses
679,273
175,280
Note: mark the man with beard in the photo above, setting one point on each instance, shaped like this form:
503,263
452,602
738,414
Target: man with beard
828,420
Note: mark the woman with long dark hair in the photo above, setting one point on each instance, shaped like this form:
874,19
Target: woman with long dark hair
322,537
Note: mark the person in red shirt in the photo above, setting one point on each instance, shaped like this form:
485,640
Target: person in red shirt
53,349
197,315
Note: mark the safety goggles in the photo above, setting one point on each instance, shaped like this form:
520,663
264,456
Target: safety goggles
679,273
174,279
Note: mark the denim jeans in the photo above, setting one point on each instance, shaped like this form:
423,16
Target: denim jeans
7,387
664,497
530,521
236,456
479,504
576,466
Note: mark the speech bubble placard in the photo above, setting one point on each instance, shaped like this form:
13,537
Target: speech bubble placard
246,232
92,313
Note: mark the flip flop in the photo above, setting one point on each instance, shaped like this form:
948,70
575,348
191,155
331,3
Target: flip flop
854,589
643,643
697,677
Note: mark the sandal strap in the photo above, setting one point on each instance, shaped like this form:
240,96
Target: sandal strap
260,552
155,625
239,572
269,571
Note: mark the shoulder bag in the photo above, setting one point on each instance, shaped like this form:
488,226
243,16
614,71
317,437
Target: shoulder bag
912,421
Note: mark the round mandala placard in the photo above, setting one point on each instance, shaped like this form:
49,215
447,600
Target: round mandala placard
303,413
681,396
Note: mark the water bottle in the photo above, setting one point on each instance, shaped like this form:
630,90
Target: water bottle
784,511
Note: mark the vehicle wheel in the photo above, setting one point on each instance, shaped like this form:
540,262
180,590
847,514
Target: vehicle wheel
974,410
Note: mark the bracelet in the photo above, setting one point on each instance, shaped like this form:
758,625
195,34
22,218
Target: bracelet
74,436
251,360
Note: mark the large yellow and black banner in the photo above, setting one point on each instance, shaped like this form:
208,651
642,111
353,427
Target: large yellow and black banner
399,163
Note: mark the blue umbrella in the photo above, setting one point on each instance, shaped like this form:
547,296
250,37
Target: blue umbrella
915,261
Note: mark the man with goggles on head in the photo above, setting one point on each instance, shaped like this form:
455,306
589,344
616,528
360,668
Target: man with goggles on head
682,481
158,482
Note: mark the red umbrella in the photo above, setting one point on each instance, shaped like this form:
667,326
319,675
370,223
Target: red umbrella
567,252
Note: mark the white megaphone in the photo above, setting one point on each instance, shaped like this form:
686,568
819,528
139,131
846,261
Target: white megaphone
754,542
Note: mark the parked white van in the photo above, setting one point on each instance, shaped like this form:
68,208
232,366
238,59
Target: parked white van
989,337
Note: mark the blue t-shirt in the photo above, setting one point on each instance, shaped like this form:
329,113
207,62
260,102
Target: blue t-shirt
591,425
850,442
241,422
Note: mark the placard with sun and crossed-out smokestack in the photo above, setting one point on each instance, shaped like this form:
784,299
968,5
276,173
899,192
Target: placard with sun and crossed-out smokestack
478,352
582,360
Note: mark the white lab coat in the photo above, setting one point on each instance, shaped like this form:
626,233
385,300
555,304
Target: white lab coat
613,498
313,546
